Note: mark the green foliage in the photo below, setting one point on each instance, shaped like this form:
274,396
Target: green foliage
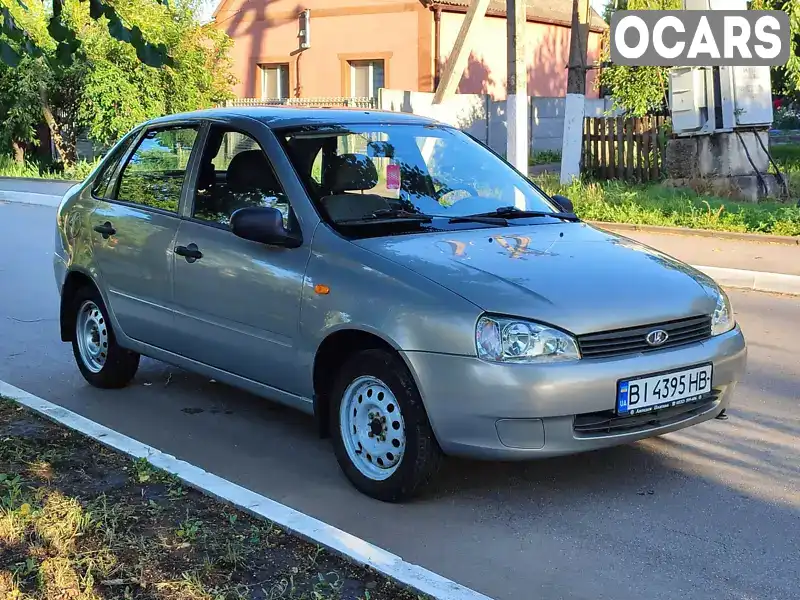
545,157
120,91
617,202
787,119
641,90
75,172
19,102
105,86
788,158
636,90
786,79
61,43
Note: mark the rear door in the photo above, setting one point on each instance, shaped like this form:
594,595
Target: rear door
135,224
238,302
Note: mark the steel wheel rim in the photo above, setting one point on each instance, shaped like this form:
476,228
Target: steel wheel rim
372,427
91,332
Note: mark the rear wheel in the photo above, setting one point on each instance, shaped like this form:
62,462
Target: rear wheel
381,433
102,362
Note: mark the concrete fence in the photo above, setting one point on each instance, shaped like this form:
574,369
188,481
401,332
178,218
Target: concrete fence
485,118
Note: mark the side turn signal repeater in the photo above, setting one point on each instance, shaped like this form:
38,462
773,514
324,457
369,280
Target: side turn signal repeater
322,289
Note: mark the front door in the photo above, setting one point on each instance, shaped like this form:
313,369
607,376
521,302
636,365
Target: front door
237,301
135,224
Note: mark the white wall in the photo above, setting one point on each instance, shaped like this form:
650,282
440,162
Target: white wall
485,118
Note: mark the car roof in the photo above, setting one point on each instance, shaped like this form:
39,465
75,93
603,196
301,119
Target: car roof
279,117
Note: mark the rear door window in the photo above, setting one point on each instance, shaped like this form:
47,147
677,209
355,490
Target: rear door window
155,172
101,188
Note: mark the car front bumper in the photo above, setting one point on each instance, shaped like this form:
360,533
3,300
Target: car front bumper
511,411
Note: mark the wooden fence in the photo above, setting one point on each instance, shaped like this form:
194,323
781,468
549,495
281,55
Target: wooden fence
626,148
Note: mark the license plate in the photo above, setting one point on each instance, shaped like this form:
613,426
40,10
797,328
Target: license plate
643,394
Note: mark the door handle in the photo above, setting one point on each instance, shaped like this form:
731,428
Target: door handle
106,229
190,252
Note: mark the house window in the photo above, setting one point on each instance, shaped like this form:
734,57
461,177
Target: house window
366,78
275,81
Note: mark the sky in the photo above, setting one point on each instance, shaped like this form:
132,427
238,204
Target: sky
210,5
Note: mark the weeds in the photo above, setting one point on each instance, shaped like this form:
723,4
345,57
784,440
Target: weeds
10,490
545,157
72,528
189,529
77,172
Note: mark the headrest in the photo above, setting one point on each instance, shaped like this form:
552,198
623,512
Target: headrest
350,172
250,171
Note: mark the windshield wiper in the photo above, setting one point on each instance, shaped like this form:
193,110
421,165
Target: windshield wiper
392,215
512,212
486,219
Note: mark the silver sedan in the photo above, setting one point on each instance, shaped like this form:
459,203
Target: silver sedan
392,277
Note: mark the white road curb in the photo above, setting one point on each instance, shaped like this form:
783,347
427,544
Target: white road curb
30,198
759,281
355,549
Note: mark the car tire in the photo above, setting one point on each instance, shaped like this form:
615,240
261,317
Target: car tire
102,362
376,388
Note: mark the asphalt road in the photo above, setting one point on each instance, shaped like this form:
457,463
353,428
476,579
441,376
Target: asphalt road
709,513
33,191
36,186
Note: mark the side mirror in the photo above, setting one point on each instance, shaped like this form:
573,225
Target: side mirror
564,203
263,224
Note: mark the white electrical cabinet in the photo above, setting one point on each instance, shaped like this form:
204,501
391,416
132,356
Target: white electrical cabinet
752,96
705,100
715,4
687,99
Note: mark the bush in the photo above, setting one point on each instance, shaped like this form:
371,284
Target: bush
787,118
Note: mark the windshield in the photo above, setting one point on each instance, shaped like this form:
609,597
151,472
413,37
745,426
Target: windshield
371,172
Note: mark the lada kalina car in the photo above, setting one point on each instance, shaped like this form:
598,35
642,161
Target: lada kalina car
394,278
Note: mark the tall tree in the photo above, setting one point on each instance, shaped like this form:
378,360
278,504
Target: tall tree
120,91
102,83
786,79
50,78
639,90
636,90
19,106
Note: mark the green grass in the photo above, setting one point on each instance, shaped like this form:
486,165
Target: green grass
788,158
79,521
545,157
78,172
616,202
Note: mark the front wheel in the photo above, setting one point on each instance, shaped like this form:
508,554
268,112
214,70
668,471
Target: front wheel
381,433
102,362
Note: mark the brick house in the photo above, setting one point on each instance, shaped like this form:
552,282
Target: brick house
359,46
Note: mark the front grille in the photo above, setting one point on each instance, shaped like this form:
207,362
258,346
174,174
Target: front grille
633,340
607,422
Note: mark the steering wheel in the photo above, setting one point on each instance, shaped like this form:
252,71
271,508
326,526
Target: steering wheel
459,188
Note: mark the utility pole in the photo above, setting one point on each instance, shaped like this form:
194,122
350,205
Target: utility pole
517,141
575,110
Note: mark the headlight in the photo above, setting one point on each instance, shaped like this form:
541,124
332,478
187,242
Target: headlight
516,341
722,321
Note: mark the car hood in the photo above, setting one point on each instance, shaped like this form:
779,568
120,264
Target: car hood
570,275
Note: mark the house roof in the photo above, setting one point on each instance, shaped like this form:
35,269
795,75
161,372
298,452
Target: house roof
546,11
